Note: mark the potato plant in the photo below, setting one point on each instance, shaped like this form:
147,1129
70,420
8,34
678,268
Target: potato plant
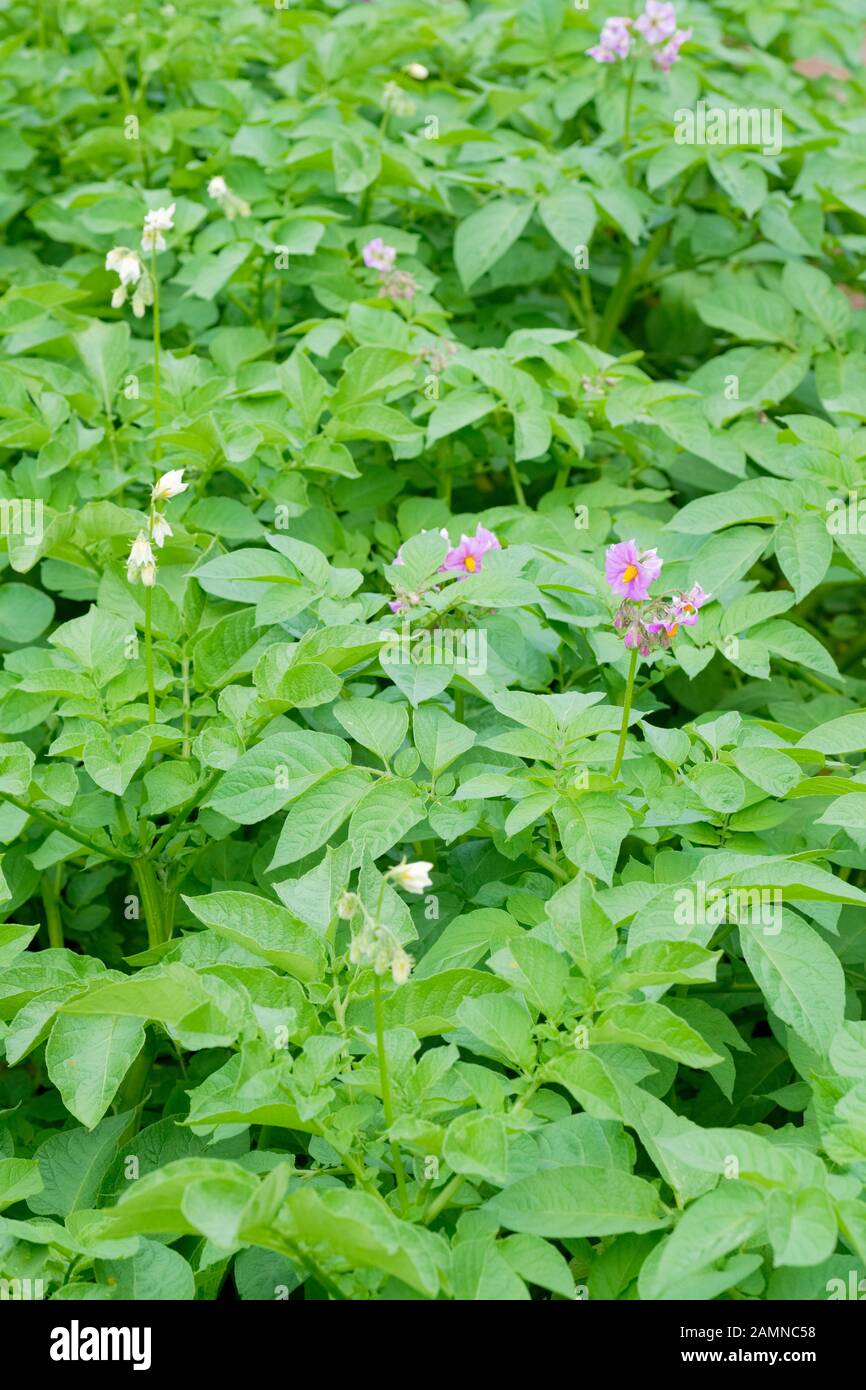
433,705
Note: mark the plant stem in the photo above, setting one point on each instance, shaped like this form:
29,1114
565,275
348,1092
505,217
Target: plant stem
626,711
107,851
444,1197
626,133
616,304
148,887
519,496
50,885
157,403
387,1105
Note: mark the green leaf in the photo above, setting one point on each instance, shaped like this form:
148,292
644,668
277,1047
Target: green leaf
88,1057
375,724
655,1029
749,313
584,1201
592,830
800,977
263,927
74,1164
804,549
484,237
475,1144
275,772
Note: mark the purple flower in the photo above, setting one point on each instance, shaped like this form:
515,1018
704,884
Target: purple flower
614,41
665,58
629,572
658,22
378,256
686,606
466,556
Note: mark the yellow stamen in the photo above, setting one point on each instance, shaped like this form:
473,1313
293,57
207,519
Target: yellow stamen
673,630
629,574
470,564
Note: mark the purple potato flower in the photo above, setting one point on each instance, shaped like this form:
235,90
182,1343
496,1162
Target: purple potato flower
657,23
378,256
614,41
466,556
629,571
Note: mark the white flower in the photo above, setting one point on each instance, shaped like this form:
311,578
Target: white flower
395,100
160,530
417,71
143,296
401,966
229,202
125,263
356,950
141,562
169,485
347,906
156,222
118,299
413,877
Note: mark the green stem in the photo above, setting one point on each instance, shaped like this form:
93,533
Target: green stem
626,711
148,634
387,1104
107,851
519,496
157,403
151,900
616,304
50,885
441,1201
626,133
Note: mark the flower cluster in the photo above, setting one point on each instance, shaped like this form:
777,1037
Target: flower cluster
657,26
375,944
463,559
394,284
231,206
396,101
141,563
438,357
129,267
647,623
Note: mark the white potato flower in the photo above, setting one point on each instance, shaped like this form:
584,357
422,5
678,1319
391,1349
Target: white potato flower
401,966
142,562
157,221
347,905
160,529
171,484
125,263
413,877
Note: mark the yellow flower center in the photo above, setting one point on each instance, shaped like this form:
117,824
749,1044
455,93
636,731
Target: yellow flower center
629,574
470,564
673,630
